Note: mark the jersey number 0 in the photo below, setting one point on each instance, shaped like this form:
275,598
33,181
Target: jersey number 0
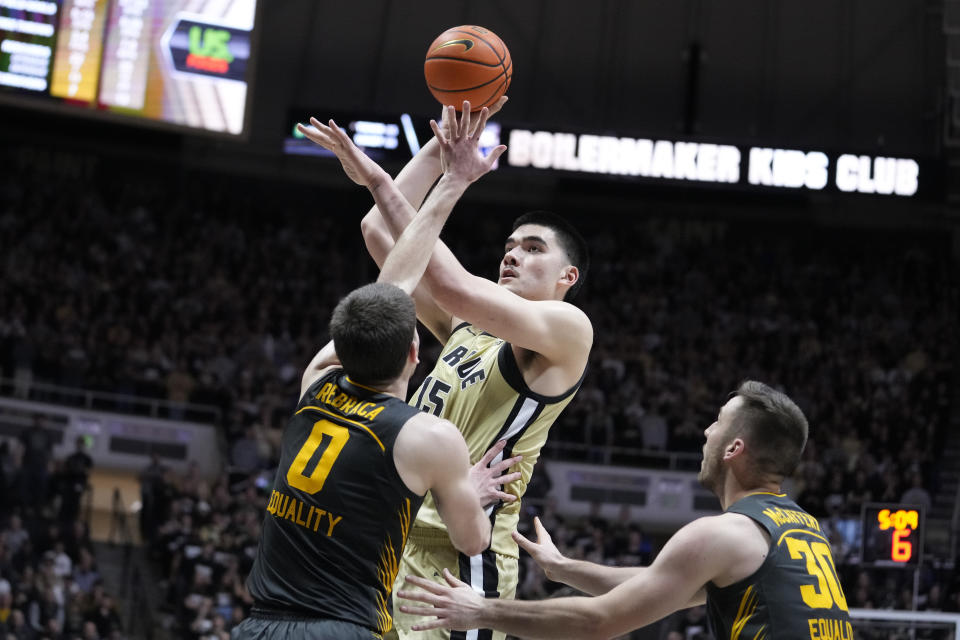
313,482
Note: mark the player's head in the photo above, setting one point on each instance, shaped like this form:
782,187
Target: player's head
545,258
374,331
759,429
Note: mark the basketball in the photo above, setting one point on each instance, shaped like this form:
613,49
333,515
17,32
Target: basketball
468,63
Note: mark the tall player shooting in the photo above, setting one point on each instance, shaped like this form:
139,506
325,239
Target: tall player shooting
763,568
514,354
356,460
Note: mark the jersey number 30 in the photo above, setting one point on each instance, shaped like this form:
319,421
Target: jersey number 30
313,482
827,591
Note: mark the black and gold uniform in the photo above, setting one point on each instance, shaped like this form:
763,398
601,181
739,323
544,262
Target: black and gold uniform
795,594
477,385
338,517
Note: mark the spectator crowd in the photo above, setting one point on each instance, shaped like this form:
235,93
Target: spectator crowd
50,585
217,292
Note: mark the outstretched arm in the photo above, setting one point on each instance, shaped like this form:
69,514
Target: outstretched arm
693,557
380,231
407,260
588,577
449,293
365,172
464,164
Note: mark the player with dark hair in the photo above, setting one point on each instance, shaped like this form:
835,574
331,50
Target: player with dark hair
763,568
515,352
356,460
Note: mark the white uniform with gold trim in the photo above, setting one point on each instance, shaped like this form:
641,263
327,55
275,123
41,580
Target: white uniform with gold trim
477,385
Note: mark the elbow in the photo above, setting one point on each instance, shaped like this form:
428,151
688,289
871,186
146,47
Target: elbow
473,550
478,543
368,226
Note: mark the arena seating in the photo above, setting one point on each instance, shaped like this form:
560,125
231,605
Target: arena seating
198,295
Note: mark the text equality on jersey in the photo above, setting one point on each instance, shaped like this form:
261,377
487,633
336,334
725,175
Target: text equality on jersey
287,507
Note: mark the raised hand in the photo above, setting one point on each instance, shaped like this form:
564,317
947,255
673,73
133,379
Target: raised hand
456,605
489,480
356,164
459,144
492,109
543,551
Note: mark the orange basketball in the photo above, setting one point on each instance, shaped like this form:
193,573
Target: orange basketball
468,63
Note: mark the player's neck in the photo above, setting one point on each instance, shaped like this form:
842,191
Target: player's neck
734,490
397,388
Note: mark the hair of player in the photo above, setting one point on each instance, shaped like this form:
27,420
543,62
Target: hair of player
570,241
773,426
372,328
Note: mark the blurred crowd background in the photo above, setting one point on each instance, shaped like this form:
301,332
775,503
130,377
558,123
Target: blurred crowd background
212,293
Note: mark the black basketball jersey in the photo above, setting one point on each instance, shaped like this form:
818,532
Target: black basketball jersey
339,513
795,594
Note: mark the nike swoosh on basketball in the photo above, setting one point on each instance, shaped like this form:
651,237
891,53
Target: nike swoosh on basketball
466,42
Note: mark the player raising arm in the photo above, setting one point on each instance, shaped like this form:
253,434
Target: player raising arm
355,459
514,354
763,567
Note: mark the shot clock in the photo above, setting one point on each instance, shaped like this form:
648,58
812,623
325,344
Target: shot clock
892,535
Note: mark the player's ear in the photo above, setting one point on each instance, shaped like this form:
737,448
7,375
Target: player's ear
736,447
413,355
569,275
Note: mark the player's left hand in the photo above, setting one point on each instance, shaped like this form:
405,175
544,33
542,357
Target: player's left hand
356,164
459,144
489,480
454,605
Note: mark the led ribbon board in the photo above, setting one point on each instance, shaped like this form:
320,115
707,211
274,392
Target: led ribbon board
644,160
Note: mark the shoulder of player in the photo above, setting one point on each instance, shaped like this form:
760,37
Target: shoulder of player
716,535
429,429
312,375
721,549
570,312
566,320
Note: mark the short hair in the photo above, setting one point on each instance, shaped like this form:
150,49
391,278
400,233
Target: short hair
372,328
570,241
773,425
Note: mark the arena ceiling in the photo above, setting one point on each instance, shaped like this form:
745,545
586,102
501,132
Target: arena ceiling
865,75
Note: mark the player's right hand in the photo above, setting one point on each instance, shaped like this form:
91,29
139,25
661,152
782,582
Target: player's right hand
356,164
543,551
491,111
459,144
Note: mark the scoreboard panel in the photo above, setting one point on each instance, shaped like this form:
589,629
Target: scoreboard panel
181,62
892,535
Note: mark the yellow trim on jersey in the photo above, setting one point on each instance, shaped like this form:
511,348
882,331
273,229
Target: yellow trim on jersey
389,566
806,531
765,493
357,384
357,424
748,606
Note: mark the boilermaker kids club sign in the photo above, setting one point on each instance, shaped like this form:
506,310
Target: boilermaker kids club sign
644,160
712,163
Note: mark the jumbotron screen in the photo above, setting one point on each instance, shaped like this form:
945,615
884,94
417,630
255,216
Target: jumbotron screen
184,62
